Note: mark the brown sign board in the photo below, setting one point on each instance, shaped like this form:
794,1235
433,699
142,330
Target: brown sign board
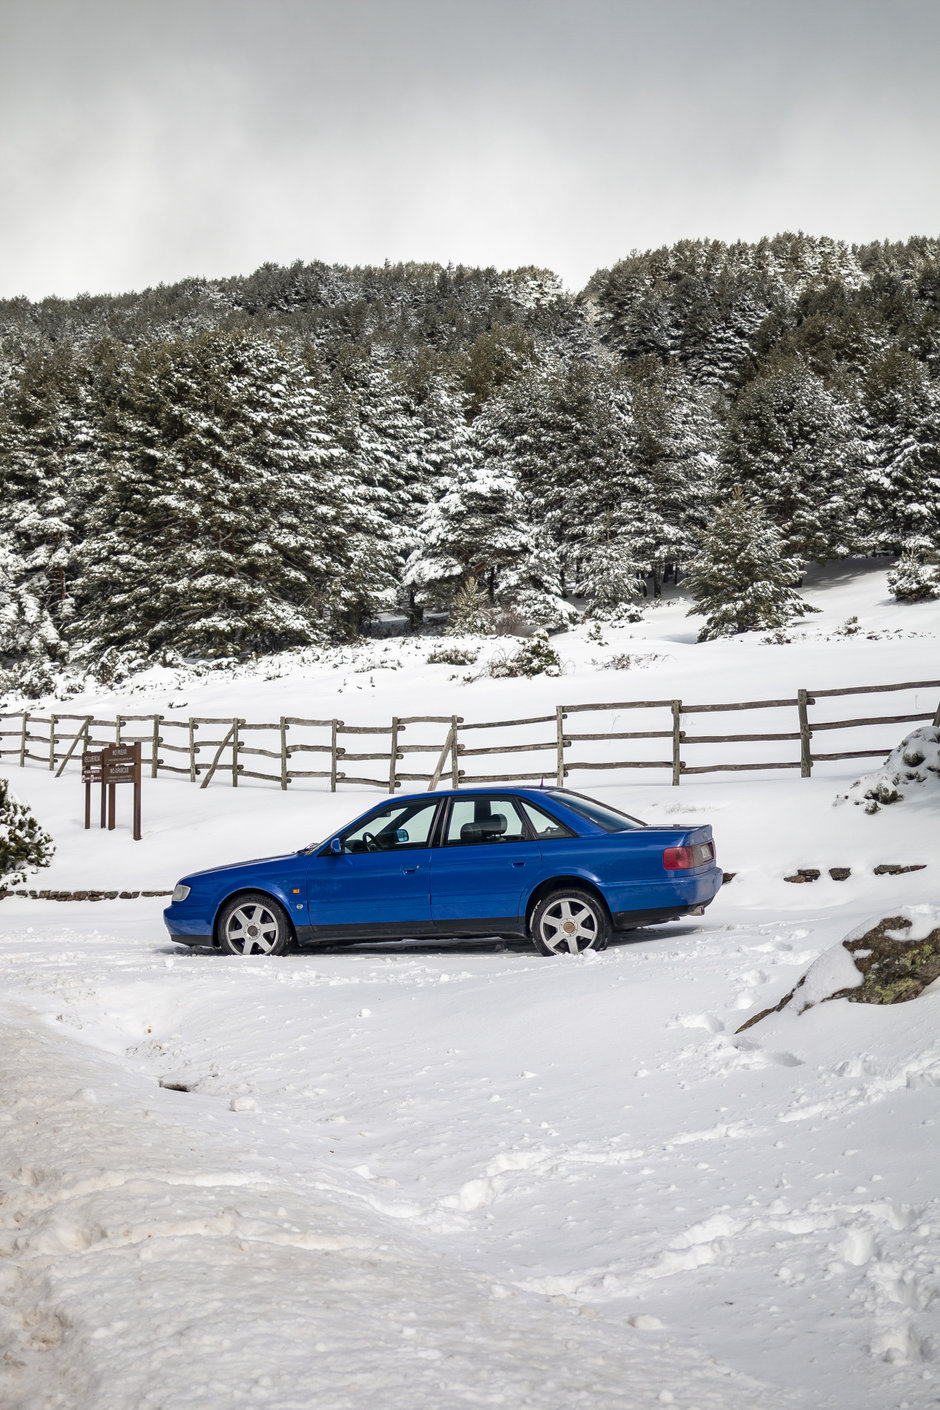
119,773
91,766
121,753
115,763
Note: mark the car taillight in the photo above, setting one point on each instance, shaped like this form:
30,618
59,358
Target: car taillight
677,858
682,858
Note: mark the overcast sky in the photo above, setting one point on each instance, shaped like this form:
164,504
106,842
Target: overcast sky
146,140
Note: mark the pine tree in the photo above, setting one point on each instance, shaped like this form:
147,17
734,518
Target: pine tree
789,445
216,524
566,436
676,443
29,642
903,409
470,611
612,582
741,579
374,425
45,442
472,530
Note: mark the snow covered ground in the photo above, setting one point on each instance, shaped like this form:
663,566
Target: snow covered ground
426,1175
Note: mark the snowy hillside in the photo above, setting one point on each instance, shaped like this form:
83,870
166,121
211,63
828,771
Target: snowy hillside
424,1176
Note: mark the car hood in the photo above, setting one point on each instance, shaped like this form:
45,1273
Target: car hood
261,865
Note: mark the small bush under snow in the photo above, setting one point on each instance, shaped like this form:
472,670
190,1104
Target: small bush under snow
24,847
914,764
536,657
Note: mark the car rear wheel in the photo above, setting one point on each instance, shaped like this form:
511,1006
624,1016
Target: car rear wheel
254,924
568,921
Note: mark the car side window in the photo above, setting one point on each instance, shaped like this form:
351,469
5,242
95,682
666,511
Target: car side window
481,820
399,827
543,824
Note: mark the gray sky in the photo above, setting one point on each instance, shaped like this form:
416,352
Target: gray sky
146,140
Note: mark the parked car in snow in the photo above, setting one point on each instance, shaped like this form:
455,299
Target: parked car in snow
556,866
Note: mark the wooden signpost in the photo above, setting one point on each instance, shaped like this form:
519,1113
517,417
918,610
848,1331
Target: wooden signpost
114,764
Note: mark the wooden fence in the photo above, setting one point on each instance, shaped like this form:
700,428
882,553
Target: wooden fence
337,752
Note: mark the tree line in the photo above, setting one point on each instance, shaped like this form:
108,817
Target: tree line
227,466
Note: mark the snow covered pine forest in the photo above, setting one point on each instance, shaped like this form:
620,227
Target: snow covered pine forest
419,1176
243,465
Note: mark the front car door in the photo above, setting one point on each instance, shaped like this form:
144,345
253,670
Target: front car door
379,885
484,867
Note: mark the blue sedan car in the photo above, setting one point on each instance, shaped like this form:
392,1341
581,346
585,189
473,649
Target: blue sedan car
546,863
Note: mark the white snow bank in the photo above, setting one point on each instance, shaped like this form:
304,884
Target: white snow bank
834,970
146,1267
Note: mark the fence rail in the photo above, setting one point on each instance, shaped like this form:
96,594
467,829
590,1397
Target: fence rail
57,741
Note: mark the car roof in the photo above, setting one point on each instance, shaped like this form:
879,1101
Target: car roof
470,789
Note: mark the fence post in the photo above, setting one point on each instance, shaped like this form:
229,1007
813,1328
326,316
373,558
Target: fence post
454,752
283,752
560,745
23,739
81,733
154,758
393,756
676,742
439,766
803,698
235,753
52,719
336,725
118,722
210,771
192,750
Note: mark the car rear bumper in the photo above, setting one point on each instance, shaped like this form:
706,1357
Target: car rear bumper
629,920
678,893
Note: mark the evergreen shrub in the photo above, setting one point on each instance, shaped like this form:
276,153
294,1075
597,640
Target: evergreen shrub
24,847
916,578
451,656
534,658
470,612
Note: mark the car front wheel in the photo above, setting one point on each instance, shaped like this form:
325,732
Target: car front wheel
568,921
254,924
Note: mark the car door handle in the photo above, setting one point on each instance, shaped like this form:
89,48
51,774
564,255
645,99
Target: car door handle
518,864
417,867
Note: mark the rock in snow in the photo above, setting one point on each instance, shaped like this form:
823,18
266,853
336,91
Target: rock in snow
886,963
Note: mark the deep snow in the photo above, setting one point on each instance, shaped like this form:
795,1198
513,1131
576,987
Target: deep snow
432,1175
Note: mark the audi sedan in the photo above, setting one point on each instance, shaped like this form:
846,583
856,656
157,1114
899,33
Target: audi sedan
557,867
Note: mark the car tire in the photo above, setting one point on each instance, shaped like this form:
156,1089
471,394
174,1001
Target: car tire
253,924
568,921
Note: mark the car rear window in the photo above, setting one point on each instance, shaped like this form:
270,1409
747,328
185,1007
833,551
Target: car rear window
610,819
543,824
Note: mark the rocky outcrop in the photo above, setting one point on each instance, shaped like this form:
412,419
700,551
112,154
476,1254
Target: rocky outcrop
889,963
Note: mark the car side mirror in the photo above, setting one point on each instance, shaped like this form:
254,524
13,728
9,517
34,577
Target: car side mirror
336,847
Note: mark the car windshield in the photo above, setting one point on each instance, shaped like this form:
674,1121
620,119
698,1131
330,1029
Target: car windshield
610,819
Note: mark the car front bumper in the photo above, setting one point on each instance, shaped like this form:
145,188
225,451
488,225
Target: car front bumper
187,925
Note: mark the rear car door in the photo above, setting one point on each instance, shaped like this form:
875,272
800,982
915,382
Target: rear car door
484,867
